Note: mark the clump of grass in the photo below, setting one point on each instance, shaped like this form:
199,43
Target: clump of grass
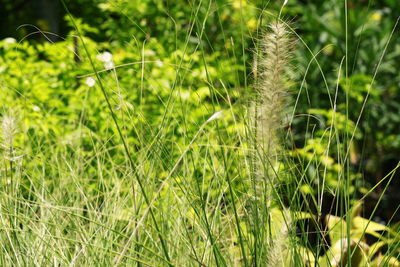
271,84
268,108
96,205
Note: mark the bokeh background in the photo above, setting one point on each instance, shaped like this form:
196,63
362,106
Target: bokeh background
43,70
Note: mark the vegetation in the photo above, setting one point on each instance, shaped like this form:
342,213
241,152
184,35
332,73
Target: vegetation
200,133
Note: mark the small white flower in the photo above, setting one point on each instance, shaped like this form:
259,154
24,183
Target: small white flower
109,65
36,108
284,3
107,60
159,63
10,40
105,57
90,81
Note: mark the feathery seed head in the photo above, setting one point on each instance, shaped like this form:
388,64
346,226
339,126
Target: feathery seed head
272,91
9,128
268,107
276,255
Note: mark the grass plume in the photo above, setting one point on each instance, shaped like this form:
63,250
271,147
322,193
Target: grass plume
272,86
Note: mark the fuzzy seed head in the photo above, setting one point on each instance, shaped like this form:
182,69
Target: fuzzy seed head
276,255
9,128
272,89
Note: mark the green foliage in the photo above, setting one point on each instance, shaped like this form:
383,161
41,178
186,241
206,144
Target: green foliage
70,191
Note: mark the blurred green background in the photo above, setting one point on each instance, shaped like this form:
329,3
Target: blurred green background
214,40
